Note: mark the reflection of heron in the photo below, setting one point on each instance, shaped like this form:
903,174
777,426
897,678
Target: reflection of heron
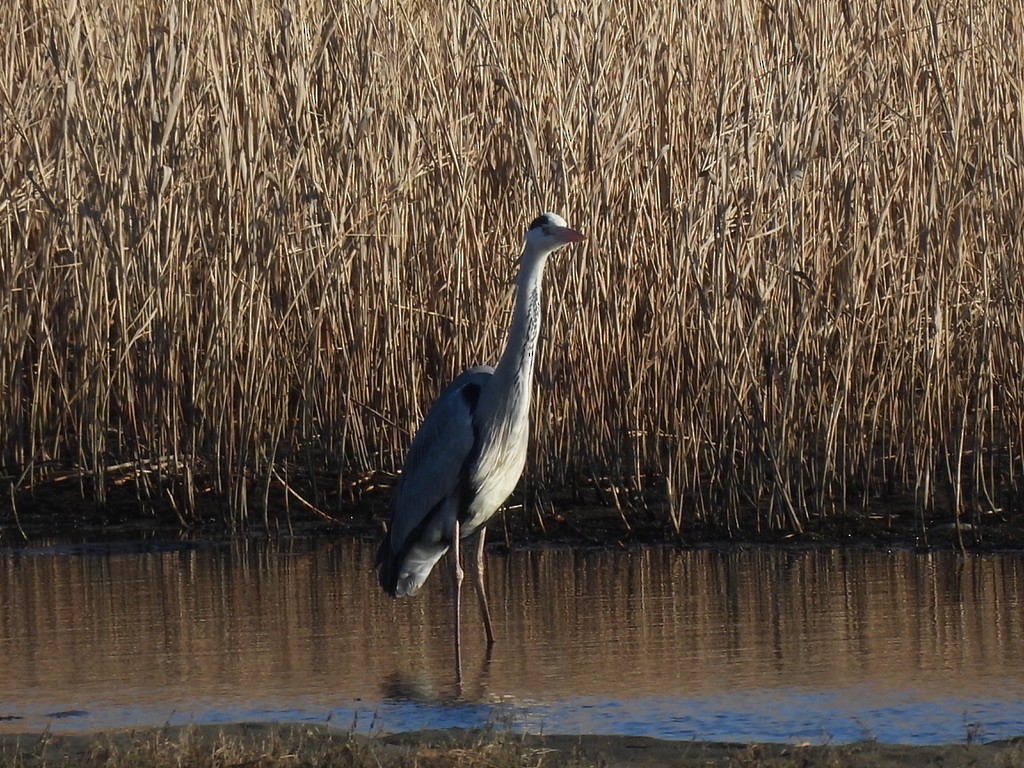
470,450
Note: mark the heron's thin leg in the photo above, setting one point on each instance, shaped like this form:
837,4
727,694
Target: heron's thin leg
457,584
478,581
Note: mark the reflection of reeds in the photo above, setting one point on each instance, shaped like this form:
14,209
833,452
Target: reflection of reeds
256,622
239,241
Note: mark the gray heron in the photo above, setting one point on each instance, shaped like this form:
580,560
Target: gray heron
469,452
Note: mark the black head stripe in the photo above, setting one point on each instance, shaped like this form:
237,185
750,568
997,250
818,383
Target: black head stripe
540,221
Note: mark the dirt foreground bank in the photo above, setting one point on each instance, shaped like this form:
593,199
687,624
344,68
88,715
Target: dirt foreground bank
271,746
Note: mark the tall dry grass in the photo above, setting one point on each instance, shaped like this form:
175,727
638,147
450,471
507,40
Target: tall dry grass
243,246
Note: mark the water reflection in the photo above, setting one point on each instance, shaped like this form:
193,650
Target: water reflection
756,644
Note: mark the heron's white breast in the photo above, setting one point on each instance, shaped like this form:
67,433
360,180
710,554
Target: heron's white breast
497,472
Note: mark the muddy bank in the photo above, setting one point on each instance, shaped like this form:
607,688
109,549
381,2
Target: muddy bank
272,745
58,512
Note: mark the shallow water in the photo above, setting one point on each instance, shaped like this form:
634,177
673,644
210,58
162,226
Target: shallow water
757,645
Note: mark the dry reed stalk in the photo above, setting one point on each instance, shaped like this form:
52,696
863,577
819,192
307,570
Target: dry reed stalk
240,240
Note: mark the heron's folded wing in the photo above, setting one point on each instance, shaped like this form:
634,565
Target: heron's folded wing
438,456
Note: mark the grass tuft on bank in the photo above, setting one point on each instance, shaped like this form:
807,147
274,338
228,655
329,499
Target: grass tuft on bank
277,746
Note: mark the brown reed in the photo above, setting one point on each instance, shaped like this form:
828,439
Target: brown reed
245,244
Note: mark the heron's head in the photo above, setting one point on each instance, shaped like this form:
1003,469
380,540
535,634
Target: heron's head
549,232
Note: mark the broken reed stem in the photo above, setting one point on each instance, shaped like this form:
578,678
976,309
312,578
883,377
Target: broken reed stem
251,237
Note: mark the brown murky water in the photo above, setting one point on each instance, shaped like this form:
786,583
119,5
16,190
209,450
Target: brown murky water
762,645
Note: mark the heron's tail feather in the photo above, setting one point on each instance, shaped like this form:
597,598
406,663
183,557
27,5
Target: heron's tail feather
403,573
387,573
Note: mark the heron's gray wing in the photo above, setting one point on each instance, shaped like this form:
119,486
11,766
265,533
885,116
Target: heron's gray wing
437,457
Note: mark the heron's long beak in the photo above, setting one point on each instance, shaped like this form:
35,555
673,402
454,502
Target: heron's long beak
569,235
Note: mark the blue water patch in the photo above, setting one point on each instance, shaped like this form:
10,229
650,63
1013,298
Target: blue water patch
792,715
787,715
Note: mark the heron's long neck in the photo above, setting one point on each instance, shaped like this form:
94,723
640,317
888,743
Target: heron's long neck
514,372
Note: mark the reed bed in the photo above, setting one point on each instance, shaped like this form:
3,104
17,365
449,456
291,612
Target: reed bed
244,245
